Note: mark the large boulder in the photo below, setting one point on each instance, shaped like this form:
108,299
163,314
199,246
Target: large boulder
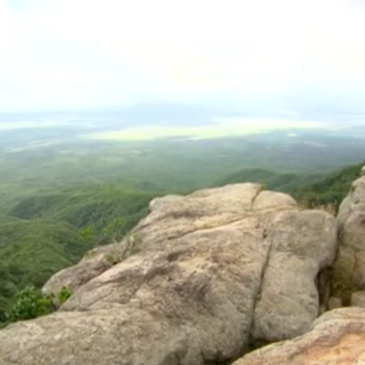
201,279
349,269
337,337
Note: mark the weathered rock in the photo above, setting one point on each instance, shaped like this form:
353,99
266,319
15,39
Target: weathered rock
288,301
337,337
349,269
93,264
202,278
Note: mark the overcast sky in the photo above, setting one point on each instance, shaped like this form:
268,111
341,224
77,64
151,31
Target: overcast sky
278,54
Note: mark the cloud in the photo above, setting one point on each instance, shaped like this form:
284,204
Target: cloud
84,53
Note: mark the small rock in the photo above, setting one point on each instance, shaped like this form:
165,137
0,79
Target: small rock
337,337
334,303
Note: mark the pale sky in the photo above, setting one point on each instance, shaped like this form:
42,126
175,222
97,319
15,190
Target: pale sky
282,54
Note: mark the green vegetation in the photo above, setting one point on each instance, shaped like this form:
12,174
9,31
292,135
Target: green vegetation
330,189
310,190
64,295
31,251
285,182
44,233
30,303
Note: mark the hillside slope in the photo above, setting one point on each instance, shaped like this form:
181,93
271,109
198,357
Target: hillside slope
31,251
278,181
329,189
309,190
44,233
95,205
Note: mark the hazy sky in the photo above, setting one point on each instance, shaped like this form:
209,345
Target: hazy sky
278,54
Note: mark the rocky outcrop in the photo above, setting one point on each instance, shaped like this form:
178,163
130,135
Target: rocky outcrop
349,269
199,280
337,337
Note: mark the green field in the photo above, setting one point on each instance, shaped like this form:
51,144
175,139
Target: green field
222,128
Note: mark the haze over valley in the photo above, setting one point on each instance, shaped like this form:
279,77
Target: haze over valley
172,146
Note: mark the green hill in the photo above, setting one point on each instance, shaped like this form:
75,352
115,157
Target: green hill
285,182
31,251
95,205
310,190
329,189
44,233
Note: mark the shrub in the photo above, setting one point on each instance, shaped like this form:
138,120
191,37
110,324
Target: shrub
30,303
64,294
121,252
